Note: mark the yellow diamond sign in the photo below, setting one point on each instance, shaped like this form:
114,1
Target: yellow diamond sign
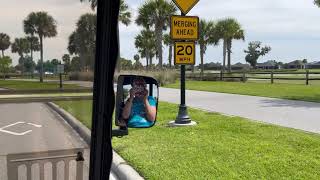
185,5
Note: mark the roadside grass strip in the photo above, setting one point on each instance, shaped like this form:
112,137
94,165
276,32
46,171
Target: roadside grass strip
219,147
282,91
24,85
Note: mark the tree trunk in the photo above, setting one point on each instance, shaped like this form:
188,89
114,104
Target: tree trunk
170,56
2,53
202,63
224,54
147,61
41,59
118,65
82,62
22,65
229,56
159,42
31,51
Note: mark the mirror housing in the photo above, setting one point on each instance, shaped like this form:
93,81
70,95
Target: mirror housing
138,117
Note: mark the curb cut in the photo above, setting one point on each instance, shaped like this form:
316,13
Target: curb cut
119,166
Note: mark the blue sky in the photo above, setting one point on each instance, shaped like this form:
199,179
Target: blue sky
290,27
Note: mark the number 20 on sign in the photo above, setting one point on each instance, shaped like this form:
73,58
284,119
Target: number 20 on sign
184,53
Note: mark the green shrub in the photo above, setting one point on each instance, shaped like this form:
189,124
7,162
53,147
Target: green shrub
164,77
81,76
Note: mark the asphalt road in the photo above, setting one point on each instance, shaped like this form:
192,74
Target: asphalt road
294,114
288,113
33,127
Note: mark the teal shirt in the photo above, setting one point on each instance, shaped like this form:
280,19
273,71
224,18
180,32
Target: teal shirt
137,117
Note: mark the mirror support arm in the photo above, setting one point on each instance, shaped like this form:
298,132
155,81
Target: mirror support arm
120,132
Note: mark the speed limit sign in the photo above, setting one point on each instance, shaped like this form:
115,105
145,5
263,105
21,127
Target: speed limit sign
184,53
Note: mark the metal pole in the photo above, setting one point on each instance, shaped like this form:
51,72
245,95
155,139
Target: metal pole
307,77
60,75
183,117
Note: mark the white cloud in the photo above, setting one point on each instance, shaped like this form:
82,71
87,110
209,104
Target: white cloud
65,12
290,27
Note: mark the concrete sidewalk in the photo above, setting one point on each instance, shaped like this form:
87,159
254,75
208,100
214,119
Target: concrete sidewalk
294,114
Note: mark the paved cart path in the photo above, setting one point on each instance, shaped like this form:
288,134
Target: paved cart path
33,127
289,113
294,114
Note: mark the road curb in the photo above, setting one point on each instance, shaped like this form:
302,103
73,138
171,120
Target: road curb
119,166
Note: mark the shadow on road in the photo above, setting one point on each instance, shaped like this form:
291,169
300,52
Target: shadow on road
288,103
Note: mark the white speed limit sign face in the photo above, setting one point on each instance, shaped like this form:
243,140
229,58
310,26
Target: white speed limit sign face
184,53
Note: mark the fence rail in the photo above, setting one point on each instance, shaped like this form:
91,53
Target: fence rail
14,161
244,76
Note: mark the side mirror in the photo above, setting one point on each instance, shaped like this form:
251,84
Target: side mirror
136,102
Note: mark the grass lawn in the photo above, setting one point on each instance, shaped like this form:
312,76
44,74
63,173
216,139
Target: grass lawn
219,147
24,85
284,91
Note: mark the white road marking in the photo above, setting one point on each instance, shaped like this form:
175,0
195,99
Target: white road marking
16,133
12,125
35,125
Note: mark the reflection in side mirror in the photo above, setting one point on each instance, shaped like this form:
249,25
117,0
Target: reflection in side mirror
136,101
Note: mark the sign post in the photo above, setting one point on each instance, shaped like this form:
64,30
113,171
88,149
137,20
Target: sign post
184,31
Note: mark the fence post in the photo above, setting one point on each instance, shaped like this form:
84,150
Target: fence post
244,76
221,75
79,160
271,77
307,77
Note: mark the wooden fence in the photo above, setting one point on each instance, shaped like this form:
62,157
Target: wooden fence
245,76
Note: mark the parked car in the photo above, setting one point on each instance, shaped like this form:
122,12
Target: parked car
48,73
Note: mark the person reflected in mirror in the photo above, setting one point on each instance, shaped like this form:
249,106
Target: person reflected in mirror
140,109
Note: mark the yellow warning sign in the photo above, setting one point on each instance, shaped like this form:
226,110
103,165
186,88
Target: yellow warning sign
184,53
185,5
184,28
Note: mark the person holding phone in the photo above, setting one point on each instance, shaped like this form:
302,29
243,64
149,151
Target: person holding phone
140,109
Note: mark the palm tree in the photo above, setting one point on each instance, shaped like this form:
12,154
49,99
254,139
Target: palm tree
34,45
124,18
44,25
66,61
317,2
145,43
82,40
136,57
124,13
4,42
229,29
207,36
169,42
156,14
21,46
